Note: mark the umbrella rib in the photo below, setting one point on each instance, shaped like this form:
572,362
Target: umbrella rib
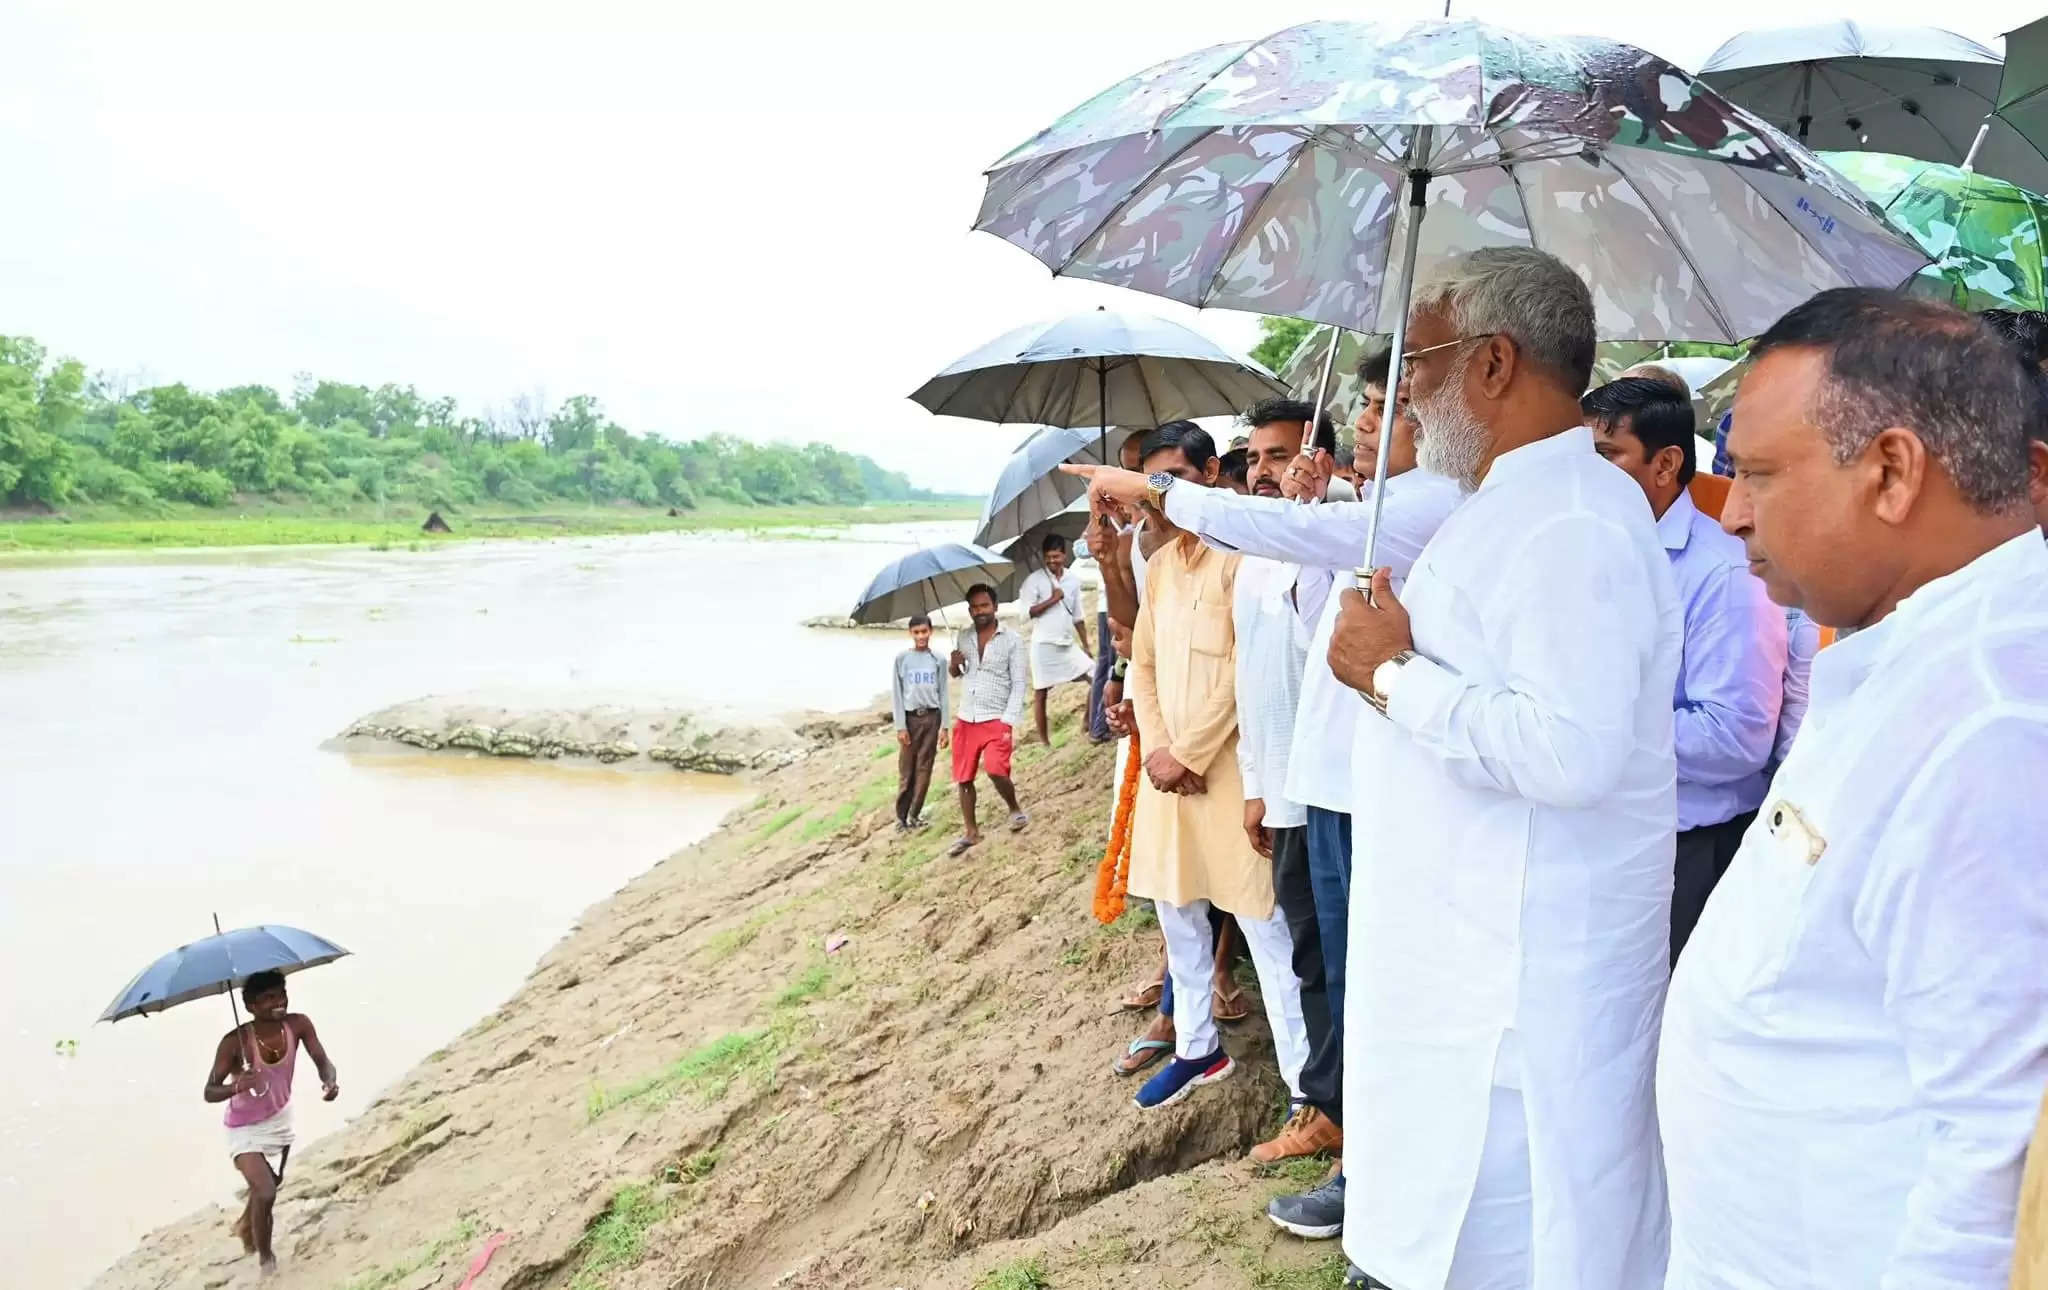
1706,290
1129,197
1251,218
1888,96
1204,83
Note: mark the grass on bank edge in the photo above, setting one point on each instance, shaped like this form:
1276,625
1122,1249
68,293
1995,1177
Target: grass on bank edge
452,1241
397,527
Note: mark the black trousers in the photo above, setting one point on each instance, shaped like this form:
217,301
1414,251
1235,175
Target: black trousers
1322,1076
1703,856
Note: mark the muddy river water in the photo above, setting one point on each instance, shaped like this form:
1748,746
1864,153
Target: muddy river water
161,722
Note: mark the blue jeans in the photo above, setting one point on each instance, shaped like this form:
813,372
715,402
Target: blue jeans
1329,876
1105,658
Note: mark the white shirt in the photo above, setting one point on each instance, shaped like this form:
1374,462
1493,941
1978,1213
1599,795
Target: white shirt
1322,539
1510,901
1270,660
1857,1036
1056,625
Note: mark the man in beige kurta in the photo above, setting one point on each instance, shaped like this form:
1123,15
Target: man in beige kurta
2030,1248
1189,846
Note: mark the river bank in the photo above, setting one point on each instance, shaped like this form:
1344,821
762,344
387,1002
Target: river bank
806,1052
268,524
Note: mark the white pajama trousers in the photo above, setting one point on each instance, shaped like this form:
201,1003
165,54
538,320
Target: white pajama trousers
1191,961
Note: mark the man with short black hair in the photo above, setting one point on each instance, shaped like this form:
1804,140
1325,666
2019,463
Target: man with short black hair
2026,331
1856,1041
918,702
1190,851
989,658
1051,596
1731,679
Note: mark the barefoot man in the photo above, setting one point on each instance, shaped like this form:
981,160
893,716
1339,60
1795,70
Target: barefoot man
252,1073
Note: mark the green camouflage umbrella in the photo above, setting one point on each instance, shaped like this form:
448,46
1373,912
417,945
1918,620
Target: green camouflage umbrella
1312,171
1983,234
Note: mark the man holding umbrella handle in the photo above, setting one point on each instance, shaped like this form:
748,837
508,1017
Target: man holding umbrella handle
252,1073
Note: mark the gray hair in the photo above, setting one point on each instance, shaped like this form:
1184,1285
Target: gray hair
1529,296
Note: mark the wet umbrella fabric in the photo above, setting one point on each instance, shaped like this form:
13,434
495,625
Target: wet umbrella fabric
1314,171
1918,91
218,965
1100,368
933,578
1030,488
1984,233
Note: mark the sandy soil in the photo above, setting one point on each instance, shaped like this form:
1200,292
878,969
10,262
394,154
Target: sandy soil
691,1092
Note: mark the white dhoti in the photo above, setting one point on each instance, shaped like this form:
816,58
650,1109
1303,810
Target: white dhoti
1058,662
267,1138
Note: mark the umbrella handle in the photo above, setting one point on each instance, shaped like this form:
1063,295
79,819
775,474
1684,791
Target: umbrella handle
236,1012
1418,193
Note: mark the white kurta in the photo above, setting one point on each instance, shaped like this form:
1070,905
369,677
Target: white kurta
1857,1036
1511,889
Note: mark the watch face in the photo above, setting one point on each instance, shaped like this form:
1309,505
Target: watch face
1159,481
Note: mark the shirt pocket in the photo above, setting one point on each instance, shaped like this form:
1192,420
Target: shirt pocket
1790,850
1209,629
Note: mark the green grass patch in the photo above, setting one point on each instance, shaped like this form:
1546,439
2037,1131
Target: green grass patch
807,986
450,1242
879,791
704,1074
882,750
824,824
777,822
1325,1273
1298,1174
265,523
1017,1274
698,1167
617,1239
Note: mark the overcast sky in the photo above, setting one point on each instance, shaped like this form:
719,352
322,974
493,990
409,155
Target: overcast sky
754,223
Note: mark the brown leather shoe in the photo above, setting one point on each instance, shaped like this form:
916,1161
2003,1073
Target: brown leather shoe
1308,1132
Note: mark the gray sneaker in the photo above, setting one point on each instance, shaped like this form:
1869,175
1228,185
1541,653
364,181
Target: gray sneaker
1314,1215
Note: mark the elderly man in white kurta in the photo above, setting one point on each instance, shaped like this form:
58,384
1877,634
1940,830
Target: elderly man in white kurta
1516,816
1856,1041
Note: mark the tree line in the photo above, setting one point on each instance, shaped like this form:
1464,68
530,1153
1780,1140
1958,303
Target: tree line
67,437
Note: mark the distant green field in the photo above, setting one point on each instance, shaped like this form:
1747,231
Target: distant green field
97,529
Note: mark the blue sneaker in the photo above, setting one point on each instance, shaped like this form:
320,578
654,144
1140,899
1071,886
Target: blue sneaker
1182,1076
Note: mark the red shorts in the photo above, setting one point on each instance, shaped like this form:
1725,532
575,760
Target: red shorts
986,742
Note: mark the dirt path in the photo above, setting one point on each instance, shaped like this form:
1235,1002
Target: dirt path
690,1092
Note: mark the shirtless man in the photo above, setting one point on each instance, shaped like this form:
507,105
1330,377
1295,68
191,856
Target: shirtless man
252,1073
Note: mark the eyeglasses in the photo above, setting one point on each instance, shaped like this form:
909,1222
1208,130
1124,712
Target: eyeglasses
1414,354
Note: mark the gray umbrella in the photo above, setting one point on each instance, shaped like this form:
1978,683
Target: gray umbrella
1031,488
1919,91
1028,547
933,578
218,964
1098,369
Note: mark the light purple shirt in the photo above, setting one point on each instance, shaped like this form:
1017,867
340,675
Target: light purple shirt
1731,683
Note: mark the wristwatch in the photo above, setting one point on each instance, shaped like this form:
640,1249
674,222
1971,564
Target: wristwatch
1156,485
1382,688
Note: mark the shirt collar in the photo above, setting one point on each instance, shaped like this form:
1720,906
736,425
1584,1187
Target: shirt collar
1674,527
1537,455
1842,667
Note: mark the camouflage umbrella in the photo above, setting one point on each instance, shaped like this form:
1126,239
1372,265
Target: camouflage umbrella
1271,175
1984,233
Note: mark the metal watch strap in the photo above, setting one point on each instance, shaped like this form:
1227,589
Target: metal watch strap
1374,697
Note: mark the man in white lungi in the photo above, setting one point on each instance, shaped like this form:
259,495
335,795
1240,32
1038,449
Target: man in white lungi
1856,1041
1515,824
1051,596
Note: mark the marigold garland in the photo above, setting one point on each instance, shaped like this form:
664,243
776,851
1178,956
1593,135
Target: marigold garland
1113,877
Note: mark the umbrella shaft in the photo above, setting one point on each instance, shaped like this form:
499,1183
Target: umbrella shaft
1418,194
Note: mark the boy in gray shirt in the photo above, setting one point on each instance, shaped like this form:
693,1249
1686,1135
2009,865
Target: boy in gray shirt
917,697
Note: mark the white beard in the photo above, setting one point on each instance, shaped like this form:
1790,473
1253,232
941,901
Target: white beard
1449,439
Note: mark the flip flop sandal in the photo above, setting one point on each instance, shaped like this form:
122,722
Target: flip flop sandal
959,847
1151,1050
1230,1007
1143,998
1018,821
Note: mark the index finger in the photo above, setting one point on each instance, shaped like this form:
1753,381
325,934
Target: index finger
1085,470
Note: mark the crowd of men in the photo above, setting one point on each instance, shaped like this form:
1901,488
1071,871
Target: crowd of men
1631,938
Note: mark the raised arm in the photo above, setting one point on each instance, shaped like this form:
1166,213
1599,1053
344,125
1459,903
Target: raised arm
227,1076
1052,590
1113,560
330,1086
1954,910
1734,681
1558,727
